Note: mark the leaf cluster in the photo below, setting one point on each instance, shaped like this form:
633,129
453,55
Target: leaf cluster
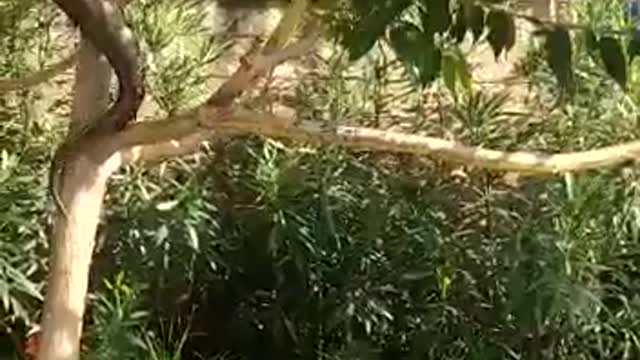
422,32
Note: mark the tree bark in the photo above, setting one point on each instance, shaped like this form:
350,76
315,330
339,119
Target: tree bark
83,187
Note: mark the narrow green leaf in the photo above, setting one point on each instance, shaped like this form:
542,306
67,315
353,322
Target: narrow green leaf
633,48
370,27
194,239
613,58
449,72
459,28
502,31
417,51
463,72
591,42
439,16
559,54
476,19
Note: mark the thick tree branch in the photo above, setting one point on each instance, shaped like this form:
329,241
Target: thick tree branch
73,240
171,131
91,65
180,134
165,150
84,184
85,181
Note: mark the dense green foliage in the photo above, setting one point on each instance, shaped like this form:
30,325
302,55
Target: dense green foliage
426,35
262,249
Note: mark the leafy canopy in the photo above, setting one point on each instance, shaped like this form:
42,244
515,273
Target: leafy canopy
427,36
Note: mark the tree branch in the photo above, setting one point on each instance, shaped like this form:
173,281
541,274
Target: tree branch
180,134
245,122
83,187
46,74
253,66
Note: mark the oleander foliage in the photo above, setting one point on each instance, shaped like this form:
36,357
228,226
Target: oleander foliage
427,36
256,248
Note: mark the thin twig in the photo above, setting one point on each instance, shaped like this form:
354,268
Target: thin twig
39,77
252,67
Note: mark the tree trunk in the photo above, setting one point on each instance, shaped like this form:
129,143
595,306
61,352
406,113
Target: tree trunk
83,189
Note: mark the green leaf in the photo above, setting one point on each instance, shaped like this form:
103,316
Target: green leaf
459,28
633,48
613,58
455,69
463,71
439,16
476,19
368,28
502,31
417,51
194,239
449,69
559,54
591,42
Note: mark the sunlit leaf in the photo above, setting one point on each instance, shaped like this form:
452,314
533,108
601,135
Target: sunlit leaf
449,70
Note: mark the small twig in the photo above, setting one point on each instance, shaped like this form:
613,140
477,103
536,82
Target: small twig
39,77
297,78
252,67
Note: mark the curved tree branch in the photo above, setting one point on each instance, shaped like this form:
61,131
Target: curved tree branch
84,186
73,241
151,140
174,133
171,134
